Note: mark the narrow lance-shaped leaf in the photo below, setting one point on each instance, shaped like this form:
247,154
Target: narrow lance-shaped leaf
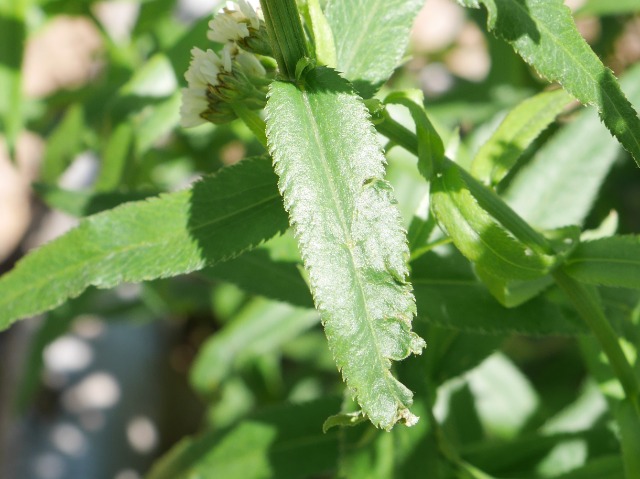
545,36
613,261
218,218
517,131
478,235
366,59
566,173
349,233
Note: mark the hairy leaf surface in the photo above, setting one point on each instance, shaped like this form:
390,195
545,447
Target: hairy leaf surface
364,59
349,233
613,261
520,127
545,36
216,219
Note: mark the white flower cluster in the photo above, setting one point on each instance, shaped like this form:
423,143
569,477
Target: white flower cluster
216,80
232,23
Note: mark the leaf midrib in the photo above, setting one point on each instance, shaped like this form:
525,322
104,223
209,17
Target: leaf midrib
583,68
125,249
336,206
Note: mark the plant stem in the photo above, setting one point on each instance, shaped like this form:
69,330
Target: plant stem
285,32
253,121
585,300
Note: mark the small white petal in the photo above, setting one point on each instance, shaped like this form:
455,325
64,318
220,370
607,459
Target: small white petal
250,64
194,103
227,26
228,53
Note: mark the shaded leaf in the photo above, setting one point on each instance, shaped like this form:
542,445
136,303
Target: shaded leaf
364,59
216,219
349,233
613,261
85,203
448,294
260,327
286,442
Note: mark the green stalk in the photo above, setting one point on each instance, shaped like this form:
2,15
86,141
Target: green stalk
487,199
286,34
586,301
252,120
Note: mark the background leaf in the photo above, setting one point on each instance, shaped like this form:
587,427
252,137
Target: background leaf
176,233
544,34
286,442
613,261
261,327
517,131
364,59
448,294
349,233
566,173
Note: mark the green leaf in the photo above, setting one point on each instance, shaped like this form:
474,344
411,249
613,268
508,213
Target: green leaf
607,7
448,294
566,173
63,144
478,235
286,442
613,261
259,272
370,38
261,327
12,42
115,157
322,34
349,233
430,146
216,219
545,36
517,131
85,203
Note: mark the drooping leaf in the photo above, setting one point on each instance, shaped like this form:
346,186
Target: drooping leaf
448,294
349,233
478,235
216,219
261,327
566,173
545,36
613,261
520,127
364,59
286,442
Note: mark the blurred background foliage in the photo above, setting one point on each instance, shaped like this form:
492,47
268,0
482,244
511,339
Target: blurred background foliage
105,385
